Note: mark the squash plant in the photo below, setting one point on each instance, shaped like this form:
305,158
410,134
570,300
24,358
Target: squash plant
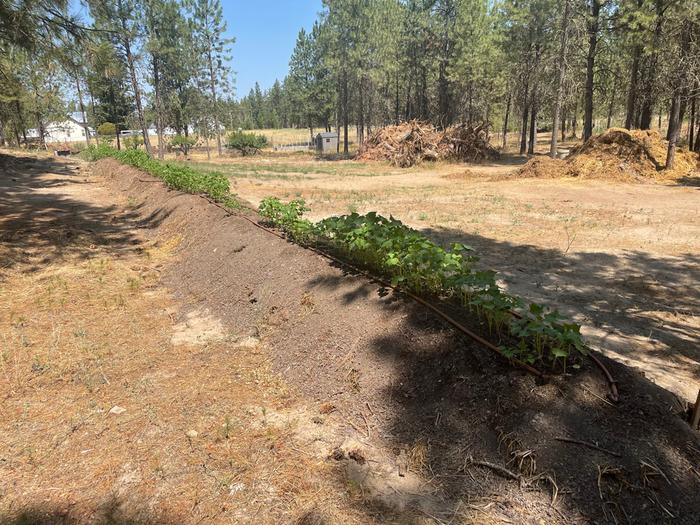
179,177
531,332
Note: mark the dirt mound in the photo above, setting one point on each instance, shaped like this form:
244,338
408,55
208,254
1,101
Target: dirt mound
396,375
617,154
412,142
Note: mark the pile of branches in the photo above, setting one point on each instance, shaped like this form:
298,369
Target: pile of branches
466,143
410,143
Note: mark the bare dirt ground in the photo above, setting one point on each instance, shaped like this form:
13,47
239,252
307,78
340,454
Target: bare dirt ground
165,362
621,258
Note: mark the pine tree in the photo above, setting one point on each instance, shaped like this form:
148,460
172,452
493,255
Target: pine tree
209,26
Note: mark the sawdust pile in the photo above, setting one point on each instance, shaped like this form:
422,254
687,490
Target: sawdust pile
410,143
617,154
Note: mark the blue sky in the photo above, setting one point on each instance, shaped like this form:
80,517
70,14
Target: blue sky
265,33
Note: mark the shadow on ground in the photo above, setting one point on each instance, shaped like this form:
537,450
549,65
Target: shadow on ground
636,304
111,512
456,401
40,226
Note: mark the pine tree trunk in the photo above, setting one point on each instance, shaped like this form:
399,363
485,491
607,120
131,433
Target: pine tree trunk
42,132
396,102
505,123
590,63
346,147
134,81
18,108
368,122
523,129
159,109
675,109
632,91
691,124
82,110
361,111
560,83
674,129
563,127
212,89
533,125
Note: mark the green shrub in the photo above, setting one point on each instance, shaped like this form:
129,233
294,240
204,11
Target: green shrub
183,178
133,142
246,143
183,143
413,262
106,129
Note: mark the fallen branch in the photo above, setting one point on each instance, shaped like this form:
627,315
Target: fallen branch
589,445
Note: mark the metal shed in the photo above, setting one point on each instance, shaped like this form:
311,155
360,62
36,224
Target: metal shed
327,142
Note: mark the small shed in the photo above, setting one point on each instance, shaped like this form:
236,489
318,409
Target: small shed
327,142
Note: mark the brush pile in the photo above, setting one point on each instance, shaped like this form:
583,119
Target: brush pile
410,143
617,154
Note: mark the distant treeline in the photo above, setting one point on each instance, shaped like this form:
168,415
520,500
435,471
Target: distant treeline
526,65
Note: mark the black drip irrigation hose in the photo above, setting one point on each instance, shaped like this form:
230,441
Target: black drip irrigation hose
612,383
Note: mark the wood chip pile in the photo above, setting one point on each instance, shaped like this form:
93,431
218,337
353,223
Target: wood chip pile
617,154
410,143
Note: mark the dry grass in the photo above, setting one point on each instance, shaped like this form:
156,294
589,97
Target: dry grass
104,419
195,441
293,135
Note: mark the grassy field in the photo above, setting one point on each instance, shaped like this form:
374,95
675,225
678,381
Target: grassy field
293,135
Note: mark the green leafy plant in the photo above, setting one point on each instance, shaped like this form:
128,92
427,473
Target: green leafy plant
531,332
183,143
106,129
183,178
133,142
246,143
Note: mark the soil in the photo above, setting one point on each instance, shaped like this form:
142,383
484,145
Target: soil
393,416
620,257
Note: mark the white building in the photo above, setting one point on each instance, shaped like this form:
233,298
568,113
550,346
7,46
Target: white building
70,130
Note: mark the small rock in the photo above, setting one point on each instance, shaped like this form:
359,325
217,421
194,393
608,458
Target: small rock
235,487
248,342
337,454
116,410
191,434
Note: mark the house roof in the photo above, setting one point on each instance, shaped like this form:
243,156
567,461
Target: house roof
77,117
327,135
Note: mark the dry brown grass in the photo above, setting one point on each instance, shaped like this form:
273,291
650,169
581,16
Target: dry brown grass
202,433
80,338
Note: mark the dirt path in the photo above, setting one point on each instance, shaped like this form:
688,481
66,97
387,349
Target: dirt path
163,362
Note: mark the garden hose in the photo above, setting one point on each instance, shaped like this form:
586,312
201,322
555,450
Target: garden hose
612,383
